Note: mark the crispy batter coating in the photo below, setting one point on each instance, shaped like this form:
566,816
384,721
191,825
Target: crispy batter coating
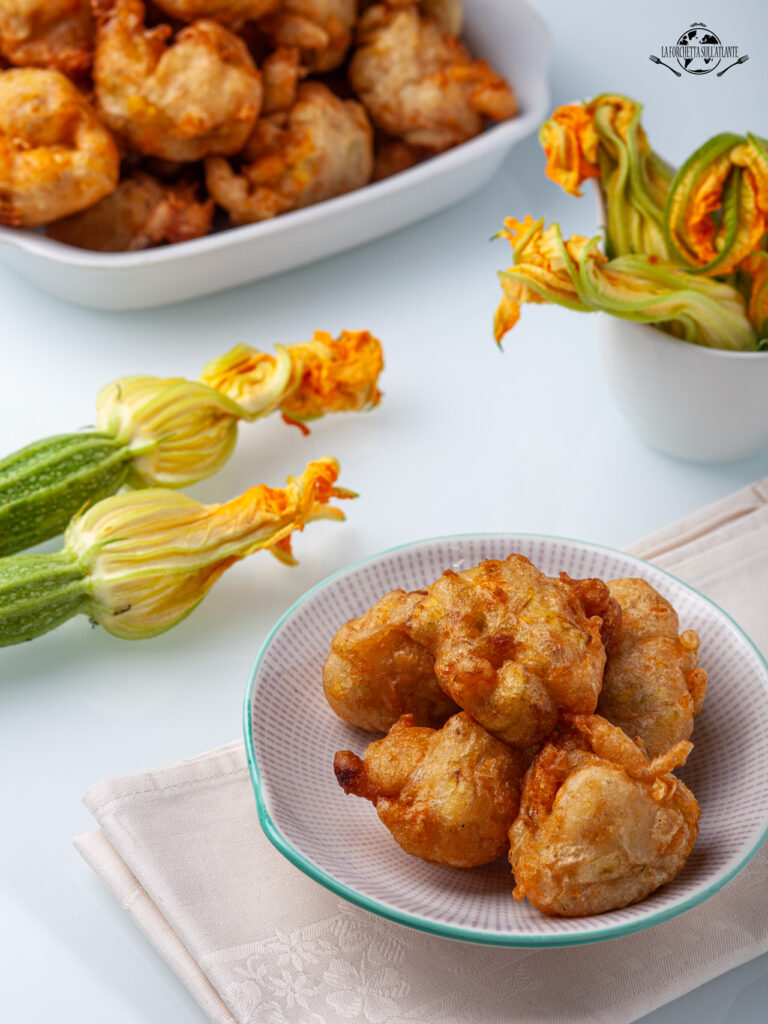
391,156
47,34
375,673
320,148
600,826
514,647
321,29
233,13
419,82
281,72
447,13
447,796
140,213
55,156
199,95
652,687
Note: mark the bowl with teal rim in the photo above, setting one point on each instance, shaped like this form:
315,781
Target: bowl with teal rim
291,736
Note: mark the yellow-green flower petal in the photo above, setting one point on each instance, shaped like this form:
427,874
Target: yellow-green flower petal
150,556
304,381
178,431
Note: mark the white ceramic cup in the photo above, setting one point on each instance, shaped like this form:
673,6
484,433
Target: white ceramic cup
702,404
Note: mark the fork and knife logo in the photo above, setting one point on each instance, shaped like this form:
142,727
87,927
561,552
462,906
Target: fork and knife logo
698,51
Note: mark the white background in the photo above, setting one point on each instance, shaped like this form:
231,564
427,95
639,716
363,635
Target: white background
466,439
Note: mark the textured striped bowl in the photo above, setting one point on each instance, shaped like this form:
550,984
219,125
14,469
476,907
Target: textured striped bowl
291,736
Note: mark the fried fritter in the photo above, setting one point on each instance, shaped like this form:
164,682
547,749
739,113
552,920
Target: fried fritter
233,13
321,29
281,73
447,796
140,213
600,826
320,147
514,647
652,687
393,156
55,156
47,34
420,83
199,95
375,673
447,13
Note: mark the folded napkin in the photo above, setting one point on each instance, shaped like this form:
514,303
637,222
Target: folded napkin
257,942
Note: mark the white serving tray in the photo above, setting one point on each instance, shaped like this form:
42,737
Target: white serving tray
506,32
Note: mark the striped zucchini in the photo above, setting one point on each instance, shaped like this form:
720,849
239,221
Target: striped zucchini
38,593
43,485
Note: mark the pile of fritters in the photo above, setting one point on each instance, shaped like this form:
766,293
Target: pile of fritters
123,125
532,715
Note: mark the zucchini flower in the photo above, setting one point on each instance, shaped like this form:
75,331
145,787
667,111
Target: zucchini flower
604,139
717,207
698,309
137,563
545,270
574,273
570,143
304,381
156,432
756,268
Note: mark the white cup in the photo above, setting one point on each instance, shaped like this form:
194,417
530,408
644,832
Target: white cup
697,403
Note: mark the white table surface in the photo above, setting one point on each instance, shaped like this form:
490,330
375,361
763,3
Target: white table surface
466,439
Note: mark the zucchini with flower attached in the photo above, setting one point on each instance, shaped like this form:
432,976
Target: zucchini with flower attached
139,562
156,432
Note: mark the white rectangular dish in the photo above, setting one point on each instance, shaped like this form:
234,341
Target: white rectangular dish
506,32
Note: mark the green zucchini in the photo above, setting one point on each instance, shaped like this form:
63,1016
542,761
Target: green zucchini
38,593
43,485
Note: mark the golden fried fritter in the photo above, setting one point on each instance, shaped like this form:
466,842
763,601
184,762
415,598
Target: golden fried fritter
201,94
281,73
47,34
320,29
600,826
447,796
321,147
652,687
419,82
447,13
230,12
391,156
140,213
375,673
513,647
55,156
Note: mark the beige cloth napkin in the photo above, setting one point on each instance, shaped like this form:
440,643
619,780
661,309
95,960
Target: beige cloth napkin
257,942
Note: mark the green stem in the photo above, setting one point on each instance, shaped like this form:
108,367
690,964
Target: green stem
43,485
38,593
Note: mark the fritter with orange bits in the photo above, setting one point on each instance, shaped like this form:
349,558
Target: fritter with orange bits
199,94
47,34
55,156
516,648
319,147
419,82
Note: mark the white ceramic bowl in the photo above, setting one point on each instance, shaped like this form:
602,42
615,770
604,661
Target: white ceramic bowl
291,737
697,403
506,32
